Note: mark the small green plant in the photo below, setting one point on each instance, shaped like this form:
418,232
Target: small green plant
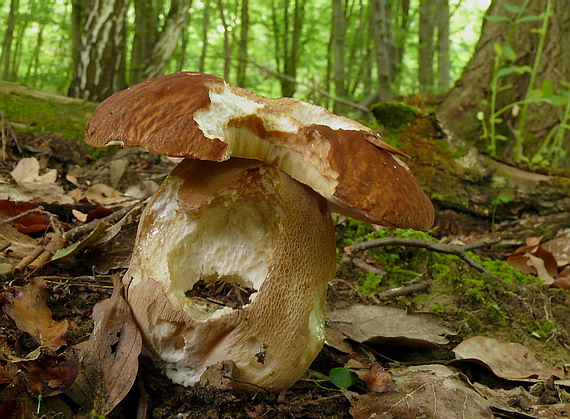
502,198
552,148
370,284
343,377
438,309
543,330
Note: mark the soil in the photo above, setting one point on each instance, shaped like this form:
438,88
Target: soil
514,311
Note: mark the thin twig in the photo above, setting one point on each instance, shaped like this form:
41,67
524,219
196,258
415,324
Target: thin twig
460,251
5,246
38,210
399,291
366,267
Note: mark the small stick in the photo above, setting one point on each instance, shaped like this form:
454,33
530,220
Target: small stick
361,264
406,290
38,210
436,247
5,246
27,260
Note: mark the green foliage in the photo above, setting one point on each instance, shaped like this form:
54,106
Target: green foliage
543,330
370,284
552,149
394,115
343,377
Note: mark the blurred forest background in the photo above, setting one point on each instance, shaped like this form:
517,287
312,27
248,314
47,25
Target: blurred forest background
345,55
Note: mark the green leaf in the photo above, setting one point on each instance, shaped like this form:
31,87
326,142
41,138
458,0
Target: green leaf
565,126
505,87
530,18
498,48
87,241
501,137
538,31
343,377
513,8
504,71
547,88
497,18
556,100
521,69
509,53
536,159
502,198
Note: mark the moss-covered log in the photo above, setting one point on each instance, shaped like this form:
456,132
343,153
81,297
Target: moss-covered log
32,110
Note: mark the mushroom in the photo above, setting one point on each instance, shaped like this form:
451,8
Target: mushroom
248,205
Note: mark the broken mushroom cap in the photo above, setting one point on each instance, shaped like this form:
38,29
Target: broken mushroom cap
200,116
242,222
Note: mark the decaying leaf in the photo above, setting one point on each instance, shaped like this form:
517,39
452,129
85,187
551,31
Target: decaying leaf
27,171
31,223
534,259
29,310
510,361
560,249
109,359
380,324
91,238
430,391
50,375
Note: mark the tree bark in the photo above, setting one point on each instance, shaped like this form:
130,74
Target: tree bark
205,27
338,32
428,12
8,37
145,37
227,45
98,71
459,109
442,46
385,47
242,46
168,38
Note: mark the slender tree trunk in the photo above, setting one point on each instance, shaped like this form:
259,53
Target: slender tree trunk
34,61
78,13
8,37
205,27
428,12
168,38
338,29
385,47
443,61
98,71
227,45
401,37
183,48
242,47
145,36
288,43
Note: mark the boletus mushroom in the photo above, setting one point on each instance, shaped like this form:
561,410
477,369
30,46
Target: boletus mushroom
250,206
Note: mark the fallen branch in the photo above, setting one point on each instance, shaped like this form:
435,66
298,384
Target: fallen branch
406,290
460,251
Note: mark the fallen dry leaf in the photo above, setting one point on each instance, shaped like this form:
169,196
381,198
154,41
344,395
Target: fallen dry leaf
32,223
29,310
535,259
109,359
380,324
510,361
28,171
560,249
429,391
49,376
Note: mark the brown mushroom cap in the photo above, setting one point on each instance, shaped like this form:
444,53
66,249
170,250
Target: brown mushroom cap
200,116
239,221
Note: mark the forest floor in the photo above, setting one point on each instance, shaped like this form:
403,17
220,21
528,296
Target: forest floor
411,332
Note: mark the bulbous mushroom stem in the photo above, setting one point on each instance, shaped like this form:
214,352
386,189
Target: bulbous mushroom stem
244,222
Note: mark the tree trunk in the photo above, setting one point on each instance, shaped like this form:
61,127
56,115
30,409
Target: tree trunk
473,93
227,45
428,12
442,46
205,27
338,29
287,41
242,47
8,37
168,38
145,37
98,75
385,47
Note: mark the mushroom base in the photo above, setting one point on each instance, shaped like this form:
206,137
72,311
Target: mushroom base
242,222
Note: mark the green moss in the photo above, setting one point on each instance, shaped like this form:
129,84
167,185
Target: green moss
394,115
40,116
